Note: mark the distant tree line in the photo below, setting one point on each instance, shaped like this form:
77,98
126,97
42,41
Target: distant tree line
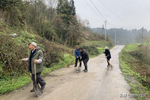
124,36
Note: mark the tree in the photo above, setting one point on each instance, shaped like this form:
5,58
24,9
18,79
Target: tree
51,11
72,10
66,12
11,11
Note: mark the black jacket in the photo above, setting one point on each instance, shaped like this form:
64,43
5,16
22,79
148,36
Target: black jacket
84,55
107,54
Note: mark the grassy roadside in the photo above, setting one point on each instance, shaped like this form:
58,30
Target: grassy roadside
15,83
128,65
13,73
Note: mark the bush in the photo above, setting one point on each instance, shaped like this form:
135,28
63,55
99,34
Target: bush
92,50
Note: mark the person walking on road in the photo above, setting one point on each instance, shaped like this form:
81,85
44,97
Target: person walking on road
36,56
77,56
85,59
108,56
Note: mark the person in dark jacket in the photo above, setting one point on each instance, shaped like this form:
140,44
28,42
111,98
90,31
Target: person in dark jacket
85,59
36,56
108,56
77,56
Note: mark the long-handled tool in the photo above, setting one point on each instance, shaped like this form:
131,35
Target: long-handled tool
110,64
36,86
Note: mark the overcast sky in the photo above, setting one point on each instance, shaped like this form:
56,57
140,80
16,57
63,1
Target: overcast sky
127,14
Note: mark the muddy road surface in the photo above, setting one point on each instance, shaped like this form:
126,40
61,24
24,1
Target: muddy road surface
99,83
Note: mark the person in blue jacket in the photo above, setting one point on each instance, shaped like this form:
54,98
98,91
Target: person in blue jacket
77,56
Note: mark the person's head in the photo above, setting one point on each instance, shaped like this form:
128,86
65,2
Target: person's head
32,45
77,47
106,48
80,49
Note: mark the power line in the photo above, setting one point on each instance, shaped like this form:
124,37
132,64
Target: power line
91,18
100,13
93,9
97,10
102,16
113,13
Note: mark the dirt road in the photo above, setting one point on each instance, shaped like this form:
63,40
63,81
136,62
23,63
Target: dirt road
99,83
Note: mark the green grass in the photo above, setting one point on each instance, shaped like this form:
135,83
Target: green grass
101,43
100,50
126,66
14,83
67,58
17,82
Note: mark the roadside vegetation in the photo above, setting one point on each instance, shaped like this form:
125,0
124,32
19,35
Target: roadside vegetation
56,29
14,73
134,63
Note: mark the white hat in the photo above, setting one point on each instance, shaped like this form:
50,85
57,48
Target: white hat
33,43
106,47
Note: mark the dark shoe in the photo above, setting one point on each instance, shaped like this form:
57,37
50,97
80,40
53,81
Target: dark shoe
32,90
42,87
85,71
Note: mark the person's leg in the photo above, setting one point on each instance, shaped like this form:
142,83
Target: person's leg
85,65
110,63
108,59
40,80
33,80
80,61
76,62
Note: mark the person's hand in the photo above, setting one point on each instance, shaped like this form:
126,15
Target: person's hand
24,59
35,61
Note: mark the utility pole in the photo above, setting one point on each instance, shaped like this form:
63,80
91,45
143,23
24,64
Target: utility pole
102,28
142,34
105,28
115,36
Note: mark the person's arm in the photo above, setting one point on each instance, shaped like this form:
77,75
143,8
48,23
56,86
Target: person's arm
40,57
76,54
109,53
104,52
25,59
38,60
83,56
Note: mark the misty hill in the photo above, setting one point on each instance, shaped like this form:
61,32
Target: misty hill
124,36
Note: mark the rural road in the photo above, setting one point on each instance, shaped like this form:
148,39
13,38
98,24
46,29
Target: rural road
99,83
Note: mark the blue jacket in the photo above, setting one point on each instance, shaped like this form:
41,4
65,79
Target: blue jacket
77,53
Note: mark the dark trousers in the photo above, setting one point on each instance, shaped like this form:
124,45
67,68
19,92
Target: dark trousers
76,61
108,60
85,63
38,78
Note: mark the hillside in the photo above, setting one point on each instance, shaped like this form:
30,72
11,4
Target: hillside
14,73
56,30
